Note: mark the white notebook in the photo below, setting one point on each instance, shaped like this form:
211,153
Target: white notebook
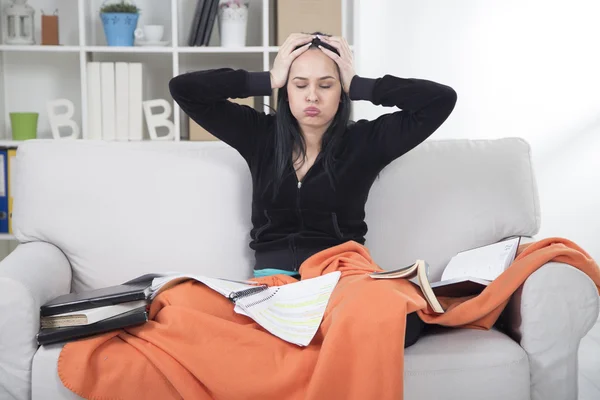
107,79
121,101
292,312
136,93
94,105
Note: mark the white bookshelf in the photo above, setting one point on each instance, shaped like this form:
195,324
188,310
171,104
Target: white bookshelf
31,76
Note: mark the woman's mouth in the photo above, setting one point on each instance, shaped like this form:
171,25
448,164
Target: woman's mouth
312,111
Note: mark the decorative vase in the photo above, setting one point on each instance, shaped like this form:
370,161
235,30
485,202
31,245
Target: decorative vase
119,28
18,23
233,21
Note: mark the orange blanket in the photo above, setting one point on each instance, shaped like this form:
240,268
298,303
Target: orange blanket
196,347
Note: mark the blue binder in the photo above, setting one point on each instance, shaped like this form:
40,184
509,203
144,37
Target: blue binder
3,190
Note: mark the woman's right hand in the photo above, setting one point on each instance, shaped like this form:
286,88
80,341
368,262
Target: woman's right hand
285,56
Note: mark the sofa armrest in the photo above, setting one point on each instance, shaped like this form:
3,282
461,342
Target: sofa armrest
31,275
549,315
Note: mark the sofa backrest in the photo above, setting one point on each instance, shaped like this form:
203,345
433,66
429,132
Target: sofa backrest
121,209
447,196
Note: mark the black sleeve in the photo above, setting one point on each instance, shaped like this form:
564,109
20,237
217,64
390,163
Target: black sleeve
425,106
203,96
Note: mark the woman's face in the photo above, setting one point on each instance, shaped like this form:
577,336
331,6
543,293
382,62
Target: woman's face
314,89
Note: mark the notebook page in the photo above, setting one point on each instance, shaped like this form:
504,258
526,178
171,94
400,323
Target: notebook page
486,262
222,286
292,312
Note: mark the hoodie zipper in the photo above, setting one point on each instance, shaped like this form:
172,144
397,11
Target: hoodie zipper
293,237
299,187
298,202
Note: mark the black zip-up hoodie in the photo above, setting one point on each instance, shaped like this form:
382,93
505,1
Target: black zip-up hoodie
308,216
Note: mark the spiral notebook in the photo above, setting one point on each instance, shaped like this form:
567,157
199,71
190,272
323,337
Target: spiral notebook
292,312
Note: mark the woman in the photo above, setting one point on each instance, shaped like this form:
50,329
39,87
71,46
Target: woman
311,173
311,170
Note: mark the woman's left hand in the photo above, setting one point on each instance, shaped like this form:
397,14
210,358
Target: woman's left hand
344,60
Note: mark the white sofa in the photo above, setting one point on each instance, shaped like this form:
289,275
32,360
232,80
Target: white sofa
89,214
589,364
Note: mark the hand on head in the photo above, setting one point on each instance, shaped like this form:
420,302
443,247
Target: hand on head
298,43
287,54
344,60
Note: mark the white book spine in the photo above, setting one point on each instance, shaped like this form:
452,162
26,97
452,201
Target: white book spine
122,101
94,92
108,100
135,101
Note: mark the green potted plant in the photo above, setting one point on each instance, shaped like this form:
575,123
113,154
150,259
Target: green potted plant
119,19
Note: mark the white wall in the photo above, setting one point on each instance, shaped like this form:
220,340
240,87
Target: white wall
527,68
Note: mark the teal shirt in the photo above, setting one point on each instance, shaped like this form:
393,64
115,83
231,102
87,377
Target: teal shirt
272,271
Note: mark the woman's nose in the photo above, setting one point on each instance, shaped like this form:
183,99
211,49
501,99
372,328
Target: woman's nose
312,95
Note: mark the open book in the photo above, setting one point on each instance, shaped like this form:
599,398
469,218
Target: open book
468,272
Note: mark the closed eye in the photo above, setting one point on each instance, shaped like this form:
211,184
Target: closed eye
322,86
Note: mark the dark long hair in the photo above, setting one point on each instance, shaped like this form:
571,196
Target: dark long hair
289,138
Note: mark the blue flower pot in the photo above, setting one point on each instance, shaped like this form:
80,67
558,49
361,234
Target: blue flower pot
119,28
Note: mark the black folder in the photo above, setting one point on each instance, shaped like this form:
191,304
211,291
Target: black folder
130,318
133,290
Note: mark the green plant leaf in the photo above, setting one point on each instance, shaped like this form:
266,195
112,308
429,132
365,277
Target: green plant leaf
121,7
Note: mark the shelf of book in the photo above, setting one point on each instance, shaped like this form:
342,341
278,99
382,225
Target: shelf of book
10,143
31,76
39,48
141,49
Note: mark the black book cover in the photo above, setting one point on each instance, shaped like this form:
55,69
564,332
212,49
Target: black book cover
211,21
195,22
135,289
203,21
130,318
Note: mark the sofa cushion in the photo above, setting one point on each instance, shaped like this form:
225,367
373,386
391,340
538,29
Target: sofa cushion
589,364
448,364
461,364
45,383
